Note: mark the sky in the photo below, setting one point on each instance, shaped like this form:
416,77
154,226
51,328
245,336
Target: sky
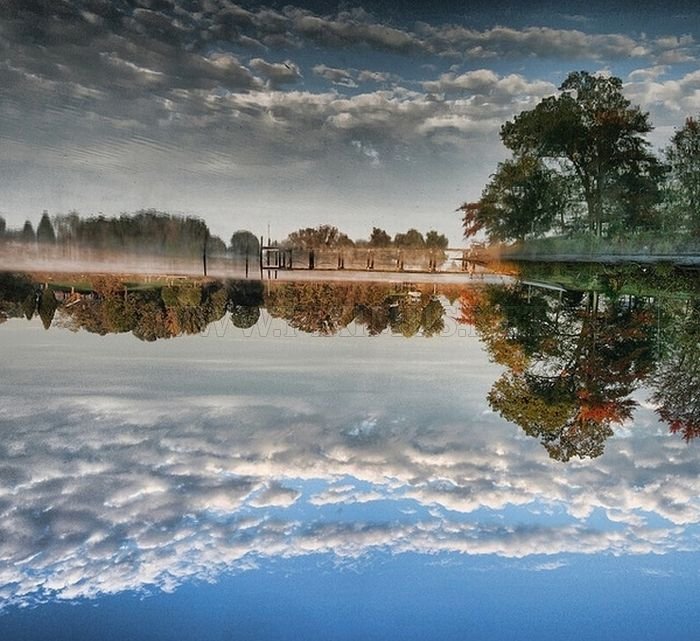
212,473
359,114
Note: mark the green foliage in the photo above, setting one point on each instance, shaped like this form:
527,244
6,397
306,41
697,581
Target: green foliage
683,194
17,296
245,293
27,235
676,382
244,317
323,236
581,151
434,240
573,362
145,231
379,238
181,295
412,239
244,242
47,307
523,199
45,232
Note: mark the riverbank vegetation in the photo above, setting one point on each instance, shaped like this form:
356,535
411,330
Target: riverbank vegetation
575,361
583,179
159,233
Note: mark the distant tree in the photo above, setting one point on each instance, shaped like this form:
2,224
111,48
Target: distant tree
144,231
17,296
322,236
243,242
3,227
379,238
405,315
215,246
411,239
28,235
683,157
434,240
45,232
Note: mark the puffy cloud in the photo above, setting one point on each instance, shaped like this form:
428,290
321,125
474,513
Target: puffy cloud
120,492
277,74
337,76
669,101
546,42
474,81
648,73
351,77
275,495
352,28
379,77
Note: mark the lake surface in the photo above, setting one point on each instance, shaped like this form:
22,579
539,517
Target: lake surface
348,461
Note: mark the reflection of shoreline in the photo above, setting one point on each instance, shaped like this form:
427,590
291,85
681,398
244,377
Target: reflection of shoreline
572,358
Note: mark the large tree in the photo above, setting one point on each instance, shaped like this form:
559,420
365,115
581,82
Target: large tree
592,132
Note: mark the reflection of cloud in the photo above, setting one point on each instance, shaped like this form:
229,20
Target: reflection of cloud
163,76
111,494
549,566
275,495
278,73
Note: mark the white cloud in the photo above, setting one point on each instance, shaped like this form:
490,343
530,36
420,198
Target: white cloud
341,77
669,101
194,487
277,74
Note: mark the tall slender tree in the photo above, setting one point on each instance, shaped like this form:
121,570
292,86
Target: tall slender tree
45,232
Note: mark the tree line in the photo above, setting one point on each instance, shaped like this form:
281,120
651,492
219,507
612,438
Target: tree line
158,232
147,230
330,237
580,165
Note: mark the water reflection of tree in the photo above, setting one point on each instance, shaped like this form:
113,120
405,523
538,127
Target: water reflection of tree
572,362
676,382
328,308
244,301
18,296
149,314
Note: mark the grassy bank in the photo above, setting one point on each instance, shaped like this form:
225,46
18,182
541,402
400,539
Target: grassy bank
648,247
659,280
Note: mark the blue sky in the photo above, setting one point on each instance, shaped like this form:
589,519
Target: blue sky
132,468
360,114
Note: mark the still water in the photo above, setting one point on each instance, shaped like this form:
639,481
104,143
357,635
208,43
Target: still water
318,461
